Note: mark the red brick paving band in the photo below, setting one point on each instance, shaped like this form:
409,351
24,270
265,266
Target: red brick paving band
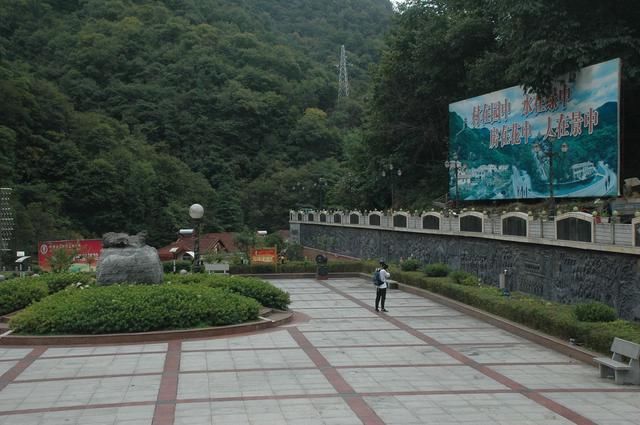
10,375
165,410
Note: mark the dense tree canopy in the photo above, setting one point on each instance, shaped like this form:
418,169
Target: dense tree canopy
442,51
118,114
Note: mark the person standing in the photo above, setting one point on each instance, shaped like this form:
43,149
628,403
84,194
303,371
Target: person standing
381,290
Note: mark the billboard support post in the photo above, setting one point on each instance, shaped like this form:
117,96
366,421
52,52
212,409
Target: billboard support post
546,148
454,165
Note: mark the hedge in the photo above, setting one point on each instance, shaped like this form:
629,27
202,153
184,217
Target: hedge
18,293
296,267
59,281
552,318
133,308
263,292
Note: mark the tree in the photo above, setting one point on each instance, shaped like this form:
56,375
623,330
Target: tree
61,259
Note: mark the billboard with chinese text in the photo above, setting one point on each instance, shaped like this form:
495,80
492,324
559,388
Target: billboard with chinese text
87,252
511,144
264,255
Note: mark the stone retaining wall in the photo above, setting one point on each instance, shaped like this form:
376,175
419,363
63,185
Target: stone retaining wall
561,274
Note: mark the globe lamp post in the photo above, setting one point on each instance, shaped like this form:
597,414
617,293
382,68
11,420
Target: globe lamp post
196,211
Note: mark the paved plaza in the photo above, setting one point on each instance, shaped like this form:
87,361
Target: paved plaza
338,363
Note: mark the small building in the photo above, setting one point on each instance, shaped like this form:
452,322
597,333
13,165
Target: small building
210,243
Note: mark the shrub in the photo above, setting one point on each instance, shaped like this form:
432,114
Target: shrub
410,265
58,281
436,270
134,308
595,312
20,292
463,278
261,291
335,266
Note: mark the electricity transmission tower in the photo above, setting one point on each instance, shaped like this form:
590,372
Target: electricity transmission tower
343,77
6,220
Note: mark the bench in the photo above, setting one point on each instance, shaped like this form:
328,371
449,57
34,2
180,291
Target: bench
216,267
624,364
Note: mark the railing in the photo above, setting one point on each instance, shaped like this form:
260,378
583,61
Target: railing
573,229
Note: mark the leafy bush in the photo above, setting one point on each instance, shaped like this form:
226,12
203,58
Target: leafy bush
20,292
261,291
410,265
436,270
595,312
335,266
463,278
134,308
294,252
58,281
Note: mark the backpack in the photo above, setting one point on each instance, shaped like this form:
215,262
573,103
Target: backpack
376,278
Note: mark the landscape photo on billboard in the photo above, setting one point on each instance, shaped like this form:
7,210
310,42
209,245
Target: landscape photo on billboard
502,144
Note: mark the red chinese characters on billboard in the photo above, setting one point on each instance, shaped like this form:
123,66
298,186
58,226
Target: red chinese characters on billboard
87,253
264,255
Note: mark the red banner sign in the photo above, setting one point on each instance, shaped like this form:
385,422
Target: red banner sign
87,253
264,255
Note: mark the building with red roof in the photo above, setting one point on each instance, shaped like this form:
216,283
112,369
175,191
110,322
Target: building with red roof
210,243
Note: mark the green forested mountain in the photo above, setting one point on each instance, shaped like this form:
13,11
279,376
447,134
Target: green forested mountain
118,114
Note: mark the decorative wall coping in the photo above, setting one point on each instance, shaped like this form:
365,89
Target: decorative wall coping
620,245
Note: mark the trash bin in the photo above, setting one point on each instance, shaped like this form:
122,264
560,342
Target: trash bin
322,269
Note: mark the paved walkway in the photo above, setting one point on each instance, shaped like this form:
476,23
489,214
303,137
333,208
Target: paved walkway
421,363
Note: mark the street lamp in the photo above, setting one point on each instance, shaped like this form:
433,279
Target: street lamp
455,165
196,211
545,147
321,185
391,177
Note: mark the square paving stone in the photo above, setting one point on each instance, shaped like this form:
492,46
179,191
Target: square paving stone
373,356
71,367
470,336
418,378
604,408
276,339
555,376
472,409
258,359
370,337
253,383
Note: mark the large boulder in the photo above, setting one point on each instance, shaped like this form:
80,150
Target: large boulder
127,259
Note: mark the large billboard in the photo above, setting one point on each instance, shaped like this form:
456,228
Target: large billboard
511,144
86,253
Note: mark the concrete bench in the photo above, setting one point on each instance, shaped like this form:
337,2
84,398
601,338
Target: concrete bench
216,267
624,364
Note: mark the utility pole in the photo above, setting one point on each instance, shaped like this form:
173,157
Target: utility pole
6,221
343,77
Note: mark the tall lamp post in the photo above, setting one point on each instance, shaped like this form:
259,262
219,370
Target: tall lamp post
392,175
455,165
321,185
545,148
196,211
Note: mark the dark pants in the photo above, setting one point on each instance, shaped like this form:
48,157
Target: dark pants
381,296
